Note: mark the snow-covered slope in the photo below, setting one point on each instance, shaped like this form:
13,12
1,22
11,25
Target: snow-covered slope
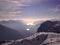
42,38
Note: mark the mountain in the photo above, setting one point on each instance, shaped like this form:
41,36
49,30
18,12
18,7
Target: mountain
50,26
16,25
41,38
47,34
9,34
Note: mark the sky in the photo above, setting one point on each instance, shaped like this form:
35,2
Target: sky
29,10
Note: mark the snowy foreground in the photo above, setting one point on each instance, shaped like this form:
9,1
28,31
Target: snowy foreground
42,38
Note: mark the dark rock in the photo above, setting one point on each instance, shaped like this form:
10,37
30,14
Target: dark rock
50,26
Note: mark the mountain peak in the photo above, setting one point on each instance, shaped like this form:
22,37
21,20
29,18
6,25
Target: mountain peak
50,26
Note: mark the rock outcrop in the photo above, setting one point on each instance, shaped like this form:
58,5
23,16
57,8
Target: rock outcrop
42,38
50,26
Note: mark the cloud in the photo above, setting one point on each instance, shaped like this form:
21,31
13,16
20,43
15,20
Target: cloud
21,2
55,10
9,8
11,5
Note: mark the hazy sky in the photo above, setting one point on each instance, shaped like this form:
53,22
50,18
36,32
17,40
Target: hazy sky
29,10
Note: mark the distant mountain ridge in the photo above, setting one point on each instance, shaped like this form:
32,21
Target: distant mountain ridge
14,24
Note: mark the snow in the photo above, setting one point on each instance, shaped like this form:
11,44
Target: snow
53,38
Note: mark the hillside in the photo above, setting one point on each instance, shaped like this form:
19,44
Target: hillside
42,38
9,34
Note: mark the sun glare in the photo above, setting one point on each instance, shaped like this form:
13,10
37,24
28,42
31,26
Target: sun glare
30,24
29,21
27,29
